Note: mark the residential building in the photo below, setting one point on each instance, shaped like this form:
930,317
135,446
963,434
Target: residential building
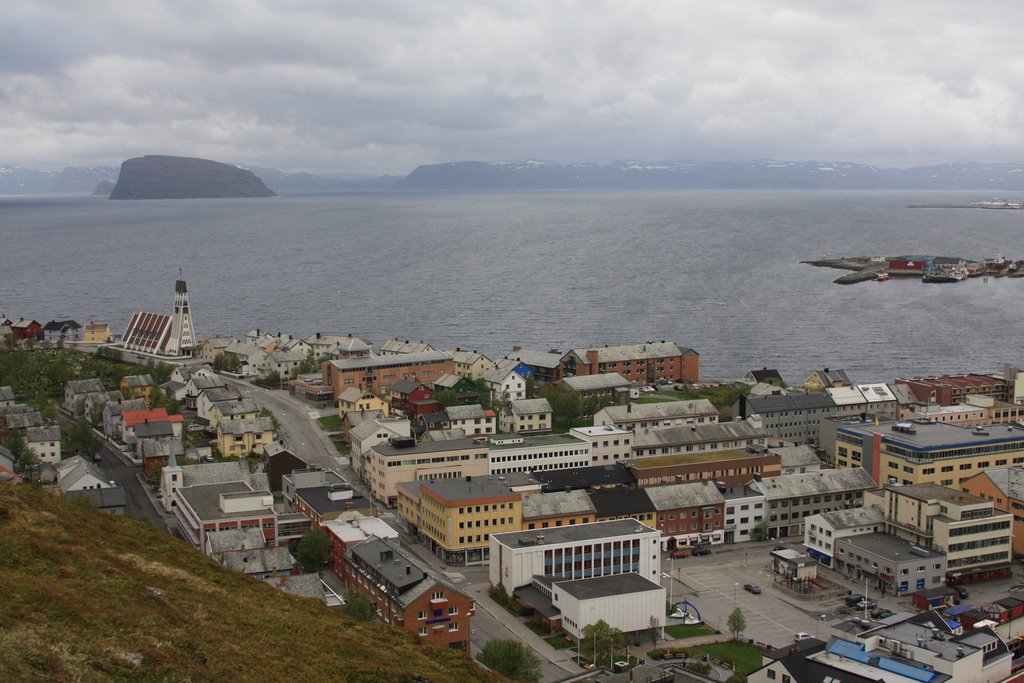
597,386
307,478
339,346
44,442
174,476
240,409
371,432
245,551
470,364
688,514
109,500
518,453
473,420
824,530
820,380
163,335
322,504
921,452
546,366
412,399
607,443
7,397
113,412
557,508
974,536
397,347
698,438
62,331
348,530
504,382
249,358
793,498
975,411
796,459
243,437
663,414
407,595
280,461
404,460
642,363
206,399
205,508
526,416
212,347
947,390
1004,488
137,386
96,333
131,419
794,417
76,473
730,467
464,389
575,552
864,399
285,362
889,564
612,504
764,376
745,509
378,373
196,384
456,517
25,329
358,400
20,418
77,390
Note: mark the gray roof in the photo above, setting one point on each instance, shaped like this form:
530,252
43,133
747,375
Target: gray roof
501,370
833,375
257,560
301,585
530,406
469,412
447,380
344,342
403,386
221,472
367,427
39,434
205,499
574,533
151,430
431,447
888,546
933,492
85,386
605,586
445,434
466,357
353,394
537,359
6,394
201,382
854,517
24,420
485,486
113,497
1009,480
246,426
611,380
74,469
662,410
403,571
796,456
113,408
690,494
817,483
811,400
556,503
138,381
405,347
619,352
699,433
391,361
241,406
903,393
236,539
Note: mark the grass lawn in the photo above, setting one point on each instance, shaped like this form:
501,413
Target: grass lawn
563,426
331,422
746,657
679,631
342,447
560,642
654,399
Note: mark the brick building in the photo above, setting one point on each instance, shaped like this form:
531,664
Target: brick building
643,363
378,373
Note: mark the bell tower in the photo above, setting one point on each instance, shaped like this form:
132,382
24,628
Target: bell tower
182,339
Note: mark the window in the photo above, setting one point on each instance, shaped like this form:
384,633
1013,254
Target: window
453,611
437,595
423,630
421,615
771,675
454,626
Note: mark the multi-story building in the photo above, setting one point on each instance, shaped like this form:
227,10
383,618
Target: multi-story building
545,365
371,432
518,453
595,477
797,459
44,442
506,381
575,552
867,399
1004,488
974,535
377,373
557,508
947,390
242,437
635,416
203,508
597,386
819,380
456,517
397,347
526,416
921,452
793,498
794,417
407,595
976,410
96,333
607,443
470,364
405,460
62,331
823,530
339,346
689,514
732,467
889,564
705,438
744,510
473,420
412,399
645,362
358,400
611,504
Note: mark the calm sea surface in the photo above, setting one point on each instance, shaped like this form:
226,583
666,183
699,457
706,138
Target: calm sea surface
715,270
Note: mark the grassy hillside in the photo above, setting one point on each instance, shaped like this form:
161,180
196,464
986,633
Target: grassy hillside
88,597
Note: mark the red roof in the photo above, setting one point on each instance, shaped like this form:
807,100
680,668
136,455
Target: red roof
134,417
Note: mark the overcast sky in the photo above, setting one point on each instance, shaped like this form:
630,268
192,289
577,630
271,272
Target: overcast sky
381,87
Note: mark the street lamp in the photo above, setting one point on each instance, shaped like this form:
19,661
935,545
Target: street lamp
734,587
817,624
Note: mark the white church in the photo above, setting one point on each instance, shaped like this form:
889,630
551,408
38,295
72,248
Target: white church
159,334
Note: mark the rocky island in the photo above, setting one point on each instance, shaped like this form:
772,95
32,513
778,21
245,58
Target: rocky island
167,177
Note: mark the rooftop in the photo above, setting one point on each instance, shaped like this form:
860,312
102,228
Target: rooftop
528,406
611,380
606,586
585,477
854,517
557,503
246,426
816,483
651,461
205,499
430,447
574,533
775,403
929,492
620,352
391,361
499,442
700,433
690,494
925,435
889,547
455,491
662,410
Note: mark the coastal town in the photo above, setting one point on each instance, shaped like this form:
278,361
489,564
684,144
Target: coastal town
608,508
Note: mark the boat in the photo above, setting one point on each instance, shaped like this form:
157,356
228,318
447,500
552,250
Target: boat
882,277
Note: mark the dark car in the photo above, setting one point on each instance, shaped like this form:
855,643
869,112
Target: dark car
880,613
701,552
752,588
853,599
778,547
961,591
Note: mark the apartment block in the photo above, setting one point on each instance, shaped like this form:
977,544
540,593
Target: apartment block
791,499
377,373
402,459
645,362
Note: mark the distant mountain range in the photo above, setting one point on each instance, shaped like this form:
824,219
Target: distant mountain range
544,175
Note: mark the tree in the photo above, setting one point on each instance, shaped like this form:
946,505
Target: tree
81,438
48,409
760,531
312,552
358,606
26,462
737,623
308,365
655,628
603,639
512,659
446,397
565,403
531,387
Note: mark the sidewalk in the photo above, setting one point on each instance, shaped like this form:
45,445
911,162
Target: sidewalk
560,658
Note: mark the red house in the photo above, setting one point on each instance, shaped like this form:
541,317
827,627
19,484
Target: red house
26,329
413,399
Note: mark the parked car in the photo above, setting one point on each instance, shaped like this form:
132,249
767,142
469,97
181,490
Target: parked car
778,547
852,599
701,552
866,604
802,636
752,588
961,591
880,613
680,553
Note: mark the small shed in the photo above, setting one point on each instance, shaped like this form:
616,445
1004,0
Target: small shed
935,597
793,565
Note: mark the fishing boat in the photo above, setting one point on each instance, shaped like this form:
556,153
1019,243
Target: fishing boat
882,277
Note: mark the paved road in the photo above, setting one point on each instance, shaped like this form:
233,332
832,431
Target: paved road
139,499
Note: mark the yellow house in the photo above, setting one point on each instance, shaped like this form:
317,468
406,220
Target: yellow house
456,517
137,386
96,333
235,409
239,438
470,364
356,400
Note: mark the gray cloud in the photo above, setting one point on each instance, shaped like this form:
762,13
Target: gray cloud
385,86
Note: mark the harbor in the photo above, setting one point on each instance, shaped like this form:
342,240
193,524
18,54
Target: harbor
928,269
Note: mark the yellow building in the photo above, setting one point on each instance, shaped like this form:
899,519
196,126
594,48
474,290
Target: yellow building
137,386
402,460
356,400
96,333
235,409
456,517
239,438
921,451
470,364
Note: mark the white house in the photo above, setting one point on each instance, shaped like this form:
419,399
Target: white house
526,416
44,442
504,383
823,530
473,420
76,474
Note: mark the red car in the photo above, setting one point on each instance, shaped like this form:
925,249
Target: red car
680,553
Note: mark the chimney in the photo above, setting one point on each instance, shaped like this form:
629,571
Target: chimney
516,348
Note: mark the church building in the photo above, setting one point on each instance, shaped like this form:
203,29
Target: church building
160,334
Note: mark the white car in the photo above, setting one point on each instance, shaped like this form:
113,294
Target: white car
802,636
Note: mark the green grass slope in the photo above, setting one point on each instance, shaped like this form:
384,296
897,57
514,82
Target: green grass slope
86,596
